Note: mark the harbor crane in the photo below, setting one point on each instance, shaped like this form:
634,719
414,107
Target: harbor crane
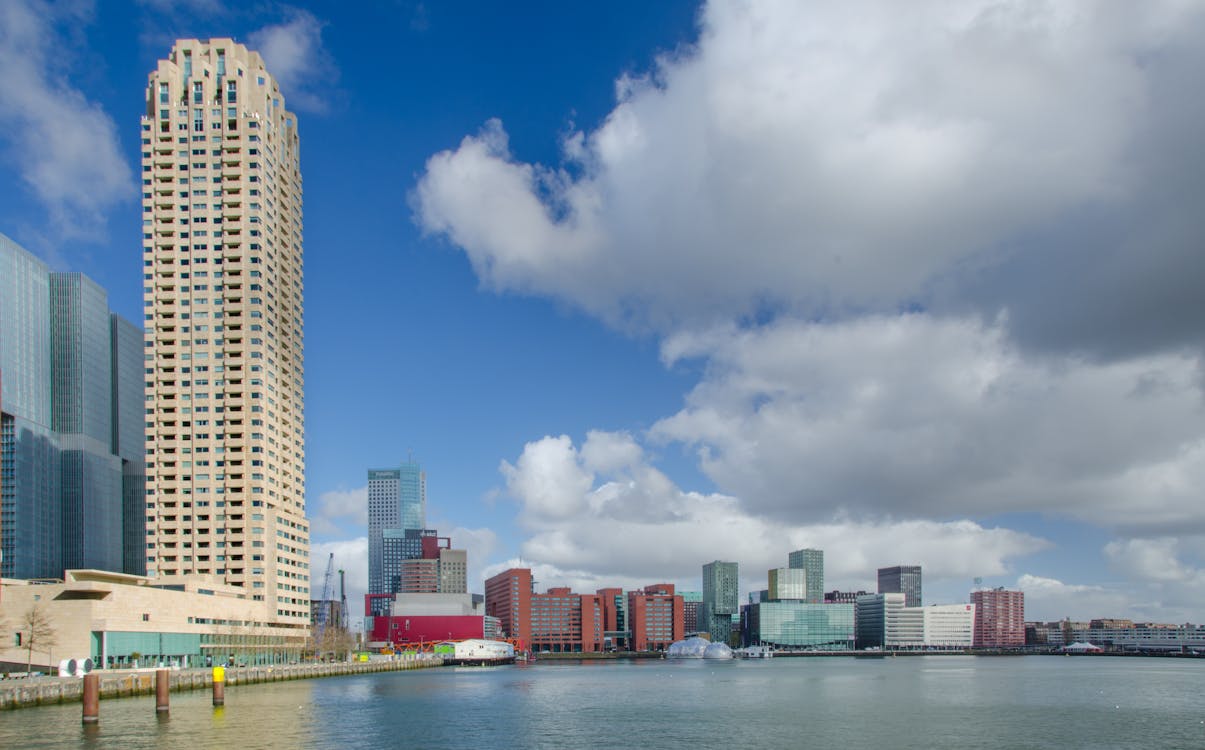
324,604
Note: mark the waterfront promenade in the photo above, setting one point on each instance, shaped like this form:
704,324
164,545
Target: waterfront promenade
40,691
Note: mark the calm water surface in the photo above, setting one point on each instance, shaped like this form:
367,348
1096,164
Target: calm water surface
912,702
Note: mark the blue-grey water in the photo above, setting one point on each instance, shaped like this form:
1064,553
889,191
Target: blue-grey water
912,702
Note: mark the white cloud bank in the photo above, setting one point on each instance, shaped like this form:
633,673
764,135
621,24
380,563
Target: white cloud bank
602,515
829,158
1023,178
65,147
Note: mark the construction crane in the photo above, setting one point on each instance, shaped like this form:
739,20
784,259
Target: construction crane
324,604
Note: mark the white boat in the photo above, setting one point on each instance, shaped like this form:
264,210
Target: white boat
755,652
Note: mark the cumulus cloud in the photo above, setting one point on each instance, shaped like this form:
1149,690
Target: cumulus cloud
919,416
1048,599
340,510
631,522
294,52
64,146
938,261
829,159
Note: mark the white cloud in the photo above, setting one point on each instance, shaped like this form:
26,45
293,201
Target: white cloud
1153,561
65,147
633,526
294,53
917,416
1048,599
831,158
336,510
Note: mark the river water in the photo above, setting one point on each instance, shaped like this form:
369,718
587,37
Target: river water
906,702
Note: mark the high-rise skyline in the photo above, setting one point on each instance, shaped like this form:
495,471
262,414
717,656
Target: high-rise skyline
721,594
902,579
397,504
225,373
812,563
71,443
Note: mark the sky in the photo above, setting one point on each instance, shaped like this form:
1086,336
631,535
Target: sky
647,285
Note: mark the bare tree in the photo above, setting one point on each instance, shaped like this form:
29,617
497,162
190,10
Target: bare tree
38,631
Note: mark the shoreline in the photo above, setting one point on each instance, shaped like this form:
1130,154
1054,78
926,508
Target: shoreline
43,691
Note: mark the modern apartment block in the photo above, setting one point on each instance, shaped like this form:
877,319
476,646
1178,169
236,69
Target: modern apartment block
812,562
223,296
508,598
397,509
902,579
655,617
721,595
72,478
999,618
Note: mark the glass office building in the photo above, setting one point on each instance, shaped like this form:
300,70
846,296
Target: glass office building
72,463
797,625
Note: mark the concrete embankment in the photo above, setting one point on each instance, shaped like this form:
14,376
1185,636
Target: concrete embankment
40,691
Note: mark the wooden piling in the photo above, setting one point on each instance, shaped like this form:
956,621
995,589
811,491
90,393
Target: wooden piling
91,698
162,688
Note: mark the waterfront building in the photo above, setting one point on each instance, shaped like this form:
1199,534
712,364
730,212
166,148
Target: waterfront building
616,636
116,619
431,617
883,621
397,503
902,579
999,618
949,625
565,622
72,453
222,257
721,582
508,598
798,625
1154,637
812,562
787,583
877,620
655,617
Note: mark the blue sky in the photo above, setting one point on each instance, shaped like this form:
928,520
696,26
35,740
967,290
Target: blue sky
644,285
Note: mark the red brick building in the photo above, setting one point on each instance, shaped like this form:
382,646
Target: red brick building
565,622
508,597
999,618
656,617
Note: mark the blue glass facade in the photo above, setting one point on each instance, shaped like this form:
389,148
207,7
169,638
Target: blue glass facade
71,446
798,625
397,500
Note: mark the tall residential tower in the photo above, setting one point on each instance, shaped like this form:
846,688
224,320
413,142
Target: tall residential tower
902,579
225,373
721,584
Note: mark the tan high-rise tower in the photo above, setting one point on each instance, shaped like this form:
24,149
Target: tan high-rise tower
221,203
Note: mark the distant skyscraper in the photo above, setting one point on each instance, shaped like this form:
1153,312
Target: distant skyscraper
397,501
902,579
811,561
721,590
72,478
222,289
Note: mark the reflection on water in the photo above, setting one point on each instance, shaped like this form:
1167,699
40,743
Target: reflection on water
915,702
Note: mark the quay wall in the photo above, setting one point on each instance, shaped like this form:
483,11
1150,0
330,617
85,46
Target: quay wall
40,691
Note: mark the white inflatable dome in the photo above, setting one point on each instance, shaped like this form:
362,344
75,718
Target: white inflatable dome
698,648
